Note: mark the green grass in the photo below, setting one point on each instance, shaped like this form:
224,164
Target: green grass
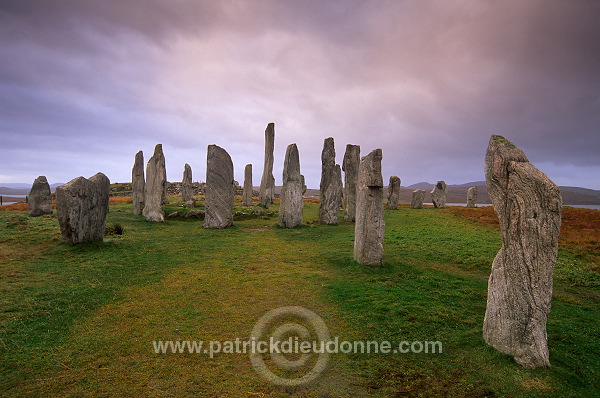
79,320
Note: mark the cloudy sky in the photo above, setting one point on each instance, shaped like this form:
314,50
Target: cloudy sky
85,84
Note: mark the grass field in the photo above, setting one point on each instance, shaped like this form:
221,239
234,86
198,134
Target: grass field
80,320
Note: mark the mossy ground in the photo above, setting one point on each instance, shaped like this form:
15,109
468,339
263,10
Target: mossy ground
80,320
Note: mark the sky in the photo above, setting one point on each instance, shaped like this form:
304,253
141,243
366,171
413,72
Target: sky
85,84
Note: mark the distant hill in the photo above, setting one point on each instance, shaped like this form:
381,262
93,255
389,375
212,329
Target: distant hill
22,189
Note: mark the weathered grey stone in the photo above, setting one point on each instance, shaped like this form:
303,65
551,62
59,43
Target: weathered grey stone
247,195
219,188
81,208
350,166
190,203
529,206
267,182
196,214
187,191
303,184
438,195
39,200
418,196
339,186
155,191
291,203
472,197
173,215
370,226
329,196
393,193
138,183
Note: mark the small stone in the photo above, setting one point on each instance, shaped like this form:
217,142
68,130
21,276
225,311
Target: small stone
173,215
393,193
196,214
418,196
438,195
190,204
472,197
81,208
40,199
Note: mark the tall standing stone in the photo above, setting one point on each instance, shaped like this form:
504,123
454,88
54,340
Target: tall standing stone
81,208
247,195
156,186
267,182
393,193
138,183
438,195
187,190
370,226
219,188
39,200
472,197
418,196
529,206
291,203
339,186
329,199
350,167
303,184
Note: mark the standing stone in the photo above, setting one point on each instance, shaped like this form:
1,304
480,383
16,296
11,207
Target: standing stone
247,195
267,182
472,197
39,199
418,196
138,183
291,203
339,186
81,208
393,193
303,185
219,188
156,186
438,195
329,200
529,206
370,226
187,191
350,167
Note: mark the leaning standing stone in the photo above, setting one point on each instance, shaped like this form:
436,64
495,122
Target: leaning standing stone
187,191
472,197
291,203
418,196
39,199
247,195
81,208
350,167
267,182
329,200
370,227
438,194
156,186
219,188
529,206
138,183
393,193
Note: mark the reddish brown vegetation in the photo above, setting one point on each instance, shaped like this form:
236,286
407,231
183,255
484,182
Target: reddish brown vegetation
580,228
